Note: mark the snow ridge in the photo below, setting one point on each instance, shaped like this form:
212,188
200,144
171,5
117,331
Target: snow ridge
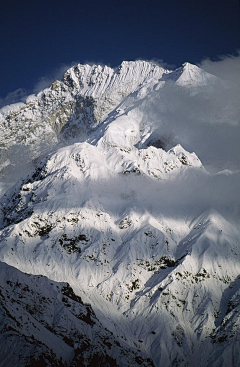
69,109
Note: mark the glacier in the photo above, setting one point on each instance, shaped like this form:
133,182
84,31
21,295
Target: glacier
117,212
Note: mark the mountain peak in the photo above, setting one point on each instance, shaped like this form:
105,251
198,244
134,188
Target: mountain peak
192,75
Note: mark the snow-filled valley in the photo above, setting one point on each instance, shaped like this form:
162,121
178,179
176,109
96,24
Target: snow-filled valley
119,247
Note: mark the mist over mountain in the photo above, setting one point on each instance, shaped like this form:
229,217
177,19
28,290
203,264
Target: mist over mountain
119,218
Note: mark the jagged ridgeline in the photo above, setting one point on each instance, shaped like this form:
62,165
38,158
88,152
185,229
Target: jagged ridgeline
69,109
120,249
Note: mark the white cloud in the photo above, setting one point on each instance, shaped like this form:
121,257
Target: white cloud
207,122
227,67
19,95
57,74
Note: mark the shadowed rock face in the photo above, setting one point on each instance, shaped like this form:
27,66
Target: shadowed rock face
44,323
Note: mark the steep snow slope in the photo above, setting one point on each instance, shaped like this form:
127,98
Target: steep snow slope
105,219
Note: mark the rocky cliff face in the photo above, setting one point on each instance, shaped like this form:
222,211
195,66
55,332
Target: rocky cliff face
43,323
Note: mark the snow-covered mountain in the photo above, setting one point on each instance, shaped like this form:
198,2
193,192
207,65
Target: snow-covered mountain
70,109
121,247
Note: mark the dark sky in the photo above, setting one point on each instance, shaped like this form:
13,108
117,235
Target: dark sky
38,37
